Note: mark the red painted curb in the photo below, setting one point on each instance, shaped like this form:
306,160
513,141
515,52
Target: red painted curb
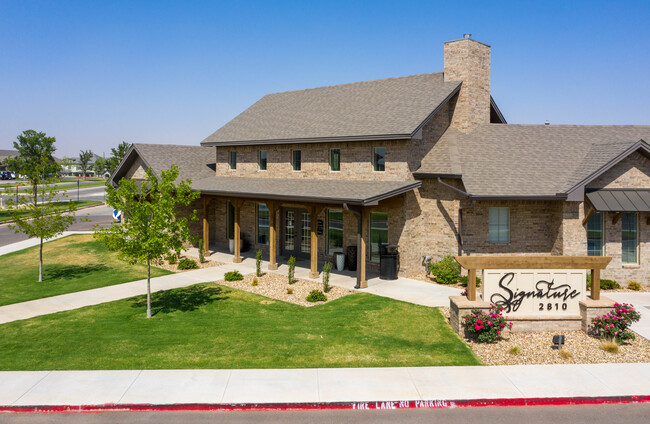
407,404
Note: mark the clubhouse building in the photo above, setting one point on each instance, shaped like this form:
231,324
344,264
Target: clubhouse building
426,162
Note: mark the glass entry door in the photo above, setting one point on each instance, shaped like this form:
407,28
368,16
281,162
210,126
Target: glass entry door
296,229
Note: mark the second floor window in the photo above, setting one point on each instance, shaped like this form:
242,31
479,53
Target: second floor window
232,160
379,159
262,160
335,159
296,160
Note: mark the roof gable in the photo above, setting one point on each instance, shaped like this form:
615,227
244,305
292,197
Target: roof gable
392,108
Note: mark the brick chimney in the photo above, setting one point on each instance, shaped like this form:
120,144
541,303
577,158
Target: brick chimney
468,61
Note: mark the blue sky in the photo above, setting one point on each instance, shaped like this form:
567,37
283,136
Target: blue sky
96,73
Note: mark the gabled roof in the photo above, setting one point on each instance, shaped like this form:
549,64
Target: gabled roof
392,108
531,161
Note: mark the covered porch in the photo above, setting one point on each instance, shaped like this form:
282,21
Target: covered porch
294,216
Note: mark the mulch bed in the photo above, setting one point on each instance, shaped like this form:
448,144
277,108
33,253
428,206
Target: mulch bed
174,267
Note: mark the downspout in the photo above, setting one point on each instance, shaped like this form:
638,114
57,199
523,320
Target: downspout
359,229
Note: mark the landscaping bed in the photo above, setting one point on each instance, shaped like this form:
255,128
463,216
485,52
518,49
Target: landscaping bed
275,286
536,348
208,326
174,267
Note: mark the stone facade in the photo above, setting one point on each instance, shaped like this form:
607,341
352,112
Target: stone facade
468,61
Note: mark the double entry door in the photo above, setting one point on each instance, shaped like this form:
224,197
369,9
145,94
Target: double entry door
296,232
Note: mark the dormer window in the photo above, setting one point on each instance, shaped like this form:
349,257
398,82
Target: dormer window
296,160
335,159
262,160
379,159
232,160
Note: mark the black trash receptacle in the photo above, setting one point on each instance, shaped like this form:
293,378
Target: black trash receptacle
351,258
388,261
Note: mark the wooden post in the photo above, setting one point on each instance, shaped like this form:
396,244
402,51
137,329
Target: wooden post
363,283
313,250
273,242
471,284
237,205
595,284
206,226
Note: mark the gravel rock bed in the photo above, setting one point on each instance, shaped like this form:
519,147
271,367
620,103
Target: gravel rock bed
535,348
207,264
275,286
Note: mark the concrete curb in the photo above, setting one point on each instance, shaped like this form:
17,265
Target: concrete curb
79,209
409,404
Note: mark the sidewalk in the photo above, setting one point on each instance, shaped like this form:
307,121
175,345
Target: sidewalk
323,385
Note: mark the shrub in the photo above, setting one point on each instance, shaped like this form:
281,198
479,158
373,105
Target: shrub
604,284
326,277
292,269
258,263
316,296
486,327
463,281
515,350
201,252
233,276
609,346
565,354
633,285
446,271
614,325
254,282
172,259
289,291
187,263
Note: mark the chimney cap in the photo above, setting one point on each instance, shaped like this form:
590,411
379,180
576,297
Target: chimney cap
467,36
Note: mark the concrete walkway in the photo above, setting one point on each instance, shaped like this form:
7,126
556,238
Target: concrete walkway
255,386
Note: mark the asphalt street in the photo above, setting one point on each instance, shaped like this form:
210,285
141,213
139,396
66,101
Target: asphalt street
591,414
85,193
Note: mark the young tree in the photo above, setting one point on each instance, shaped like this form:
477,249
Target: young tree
84,161
117,154
42,219
100,166
153,227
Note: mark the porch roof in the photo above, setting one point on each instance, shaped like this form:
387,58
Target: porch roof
362,193
620,200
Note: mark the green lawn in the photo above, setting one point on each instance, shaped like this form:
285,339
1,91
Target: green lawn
6,215
71,264
211,326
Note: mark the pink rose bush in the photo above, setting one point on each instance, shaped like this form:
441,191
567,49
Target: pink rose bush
614,325
486,327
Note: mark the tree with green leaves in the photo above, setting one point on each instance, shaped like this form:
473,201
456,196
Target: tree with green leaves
36,214
100,167
117,154
153,226
84,161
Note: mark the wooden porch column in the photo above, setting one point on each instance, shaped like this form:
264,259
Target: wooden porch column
471,284
206,226
313,250
273,242
595,284
363,283
237,205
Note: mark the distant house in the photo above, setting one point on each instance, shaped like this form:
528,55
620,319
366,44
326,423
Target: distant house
73,168
5,154
427,162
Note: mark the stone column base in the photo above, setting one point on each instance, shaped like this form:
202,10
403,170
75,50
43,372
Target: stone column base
592,308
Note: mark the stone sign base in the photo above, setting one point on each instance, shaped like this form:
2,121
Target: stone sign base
460,306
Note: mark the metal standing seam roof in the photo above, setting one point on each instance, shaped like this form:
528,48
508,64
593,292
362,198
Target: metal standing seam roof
392,108
620,200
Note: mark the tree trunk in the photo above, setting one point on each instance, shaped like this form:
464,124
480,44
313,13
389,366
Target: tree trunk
148,288
40,264
35,192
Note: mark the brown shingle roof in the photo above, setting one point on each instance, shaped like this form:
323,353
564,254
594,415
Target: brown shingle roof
386,108
531,160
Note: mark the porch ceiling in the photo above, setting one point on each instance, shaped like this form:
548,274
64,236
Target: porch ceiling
305,190
620,200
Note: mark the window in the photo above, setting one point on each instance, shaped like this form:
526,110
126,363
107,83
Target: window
262,224
499,225
378,233
262,160
629,238
379,158
595,234
334,231
233,160
296,160
335,159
